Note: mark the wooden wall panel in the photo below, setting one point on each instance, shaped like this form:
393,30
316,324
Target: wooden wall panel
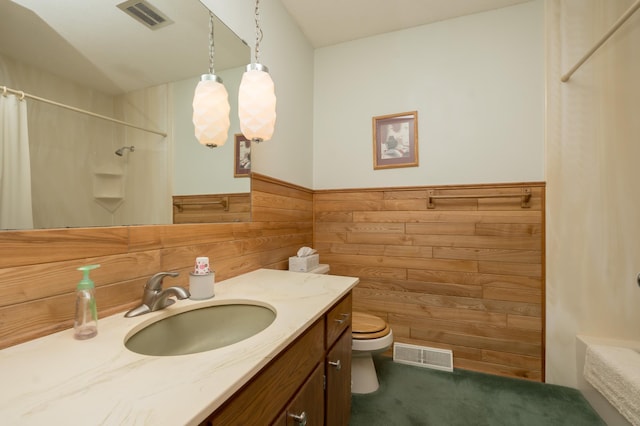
19,248
275,201
38,272
465,275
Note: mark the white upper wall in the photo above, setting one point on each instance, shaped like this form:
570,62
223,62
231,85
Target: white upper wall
289,56
477,83
216,166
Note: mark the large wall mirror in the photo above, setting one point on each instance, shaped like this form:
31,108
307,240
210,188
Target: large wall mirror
86,171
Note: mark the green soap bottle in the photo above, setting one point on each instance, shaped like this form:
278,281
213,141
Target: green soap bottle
85,325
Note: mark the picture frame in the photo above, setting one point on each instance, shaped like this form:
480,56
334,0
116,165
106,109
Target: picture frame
242,156
395,140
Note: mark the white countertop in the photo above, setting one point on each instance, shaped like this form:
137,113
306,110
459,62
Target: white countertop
59,380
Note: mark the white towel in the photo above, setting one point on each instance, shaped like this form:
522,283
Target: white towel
615,373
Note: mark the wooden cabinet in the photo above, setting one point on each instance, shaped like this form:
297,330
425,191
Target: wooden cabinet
338,373
307,407
338,364
304,378
338,319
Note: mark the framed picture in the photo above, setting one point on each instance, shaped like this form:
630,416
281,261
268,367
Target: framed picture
395,140
242,156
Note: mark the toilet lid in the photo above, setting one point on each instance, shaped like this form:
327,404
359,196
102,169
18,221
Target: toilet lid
366,326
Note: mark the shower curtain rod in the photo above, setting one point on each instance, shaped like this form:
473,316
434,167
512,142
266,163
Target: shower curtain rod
604,38
23,95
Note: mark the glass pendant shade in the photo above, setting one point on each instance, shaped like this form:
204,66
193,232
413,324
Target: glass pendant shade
257,104
211,111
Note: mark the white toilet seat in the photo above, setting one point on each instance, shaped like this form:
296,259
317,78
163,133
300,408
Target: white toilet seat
370,345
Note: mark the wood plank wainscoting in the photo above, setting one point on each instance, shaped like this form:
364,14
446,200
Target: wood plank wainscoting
466,274
38,272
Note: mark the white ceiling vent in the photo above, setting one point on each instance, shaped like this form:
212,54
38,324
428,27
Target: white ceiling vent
145,13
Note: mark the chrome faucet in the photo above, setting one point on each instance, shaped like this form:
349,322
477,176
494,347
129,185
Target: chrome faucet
155,298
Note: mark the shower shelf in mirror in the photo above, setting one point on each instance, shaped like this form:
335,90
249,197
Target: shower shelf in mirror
108,189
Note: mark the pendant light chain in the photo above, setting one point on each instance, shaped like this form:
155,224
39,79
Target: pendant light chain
258,32
212,49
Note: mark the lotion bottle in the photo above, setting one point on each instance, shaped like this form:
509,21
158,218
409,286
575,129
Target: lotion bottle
85,325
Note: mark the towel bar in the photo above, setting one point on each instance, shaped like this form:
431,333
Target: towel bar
224,202
525,197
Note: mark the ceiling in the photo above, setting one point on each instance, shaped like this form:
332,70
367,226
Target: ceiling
328,22
96,44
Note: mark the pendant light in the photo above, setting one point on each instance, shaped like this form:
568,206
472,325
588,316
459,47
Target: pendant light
256,97
211,104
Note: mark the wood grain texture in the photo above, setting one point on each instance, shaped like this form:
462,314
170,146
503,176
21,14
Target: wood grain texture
260,400
309,400
338,400
466,275
38,272
338,320
199,208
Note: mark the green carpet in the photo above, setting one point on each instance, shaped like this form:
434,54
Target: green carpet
410,395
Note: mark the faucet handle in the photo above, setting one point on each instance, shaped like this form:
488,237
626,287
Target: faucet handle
155,282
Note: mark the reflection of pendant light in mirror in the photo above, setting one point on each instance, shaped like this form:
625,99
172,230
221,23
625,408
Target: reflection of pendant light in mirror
211,104
256,97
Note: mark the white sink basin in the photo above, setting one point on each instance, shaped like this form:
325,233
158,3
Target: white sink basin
201,329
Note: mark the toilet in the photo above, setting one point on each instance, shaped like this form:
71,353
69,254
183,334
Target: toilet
370,335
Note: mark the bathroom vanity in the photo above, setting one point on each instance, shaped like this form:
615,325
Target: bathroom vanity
310,381
277,375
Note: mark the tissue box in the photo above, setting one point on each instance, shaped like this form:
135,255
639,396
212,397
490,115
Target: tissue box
303,264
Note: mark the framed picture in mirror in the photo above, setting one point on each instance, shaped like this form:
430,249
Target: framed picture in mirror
242,156
395,140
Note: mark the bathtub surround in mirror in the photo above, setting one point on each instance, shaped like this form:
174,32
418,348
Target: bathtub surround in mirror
77,181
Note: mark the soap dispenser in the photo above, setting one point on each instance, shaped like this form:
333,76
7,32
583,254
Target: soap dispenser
85,325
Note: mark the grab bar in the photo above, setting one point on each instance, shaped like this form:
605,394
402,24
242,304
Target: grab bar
525,197
224,202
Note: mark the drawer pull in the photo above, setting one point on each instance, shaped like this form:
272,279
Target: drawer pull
336,364
301,418
343,319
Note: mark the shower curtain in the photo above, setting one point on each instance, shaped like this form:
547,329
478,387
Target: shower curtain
15,168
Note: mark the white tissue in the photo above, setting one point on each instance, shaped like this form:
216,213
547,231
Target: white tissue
306,251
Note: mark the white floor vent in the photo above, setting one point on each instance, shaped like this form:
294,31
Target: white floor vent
422,356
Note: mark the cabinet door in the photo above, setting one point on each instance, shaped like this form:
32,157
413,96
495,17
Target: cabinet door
281,420
307,407
338,393
267,394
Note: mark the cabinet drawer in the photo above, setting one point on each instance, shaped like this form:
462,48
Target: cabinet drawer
266,395
338,319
